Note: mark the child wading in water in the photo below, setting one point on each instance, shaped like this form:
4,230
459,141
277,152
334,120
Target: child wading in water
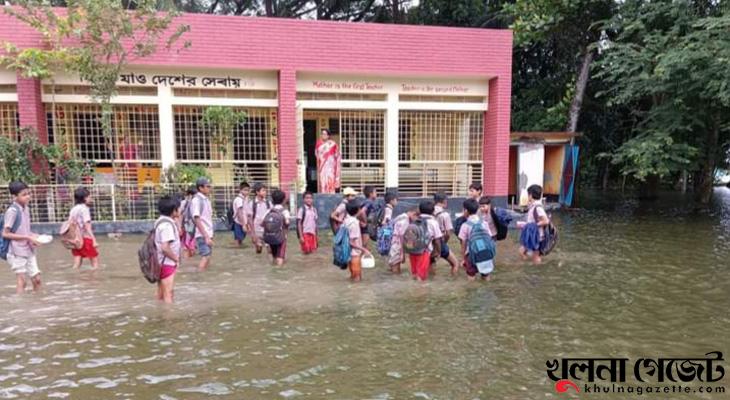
307,224
202,213
447,229
400,223
352,223
81,215
277,232
16,229
167,242
471,212
187,228
240,213
259,208
535,215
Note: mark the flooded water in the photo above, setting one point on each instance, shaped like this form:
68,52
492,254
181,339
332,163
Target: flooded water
628,280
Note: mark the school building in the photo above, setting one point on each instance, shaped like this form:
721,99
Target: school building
421,109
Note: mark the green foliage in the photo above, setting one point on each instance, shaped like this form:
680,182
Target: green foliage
185,174
220,122
26,159
94,39
651,154
670,64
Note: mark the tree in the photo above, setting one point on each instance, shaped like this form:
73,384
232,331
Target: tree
670,63
96,40
569,30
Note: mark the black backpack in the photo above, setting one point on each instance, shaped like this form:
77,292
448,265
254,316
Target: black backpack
375,217
274,228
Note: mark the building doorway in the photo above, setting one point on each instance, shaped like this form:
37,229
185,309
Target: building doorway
310,141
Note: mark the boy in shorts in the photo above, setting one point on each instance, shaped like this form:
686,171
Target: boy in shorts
21,252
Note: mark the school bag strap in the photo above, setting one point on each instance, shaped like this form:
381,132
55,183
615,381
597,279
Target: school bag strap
174,230
18,218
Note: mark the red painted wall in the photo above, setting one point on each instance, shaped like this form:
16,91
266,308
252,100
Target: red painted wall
290,46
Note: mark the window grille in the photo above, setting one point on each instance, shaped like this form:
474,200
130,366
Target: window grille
135,132
9,120
250,157
439,151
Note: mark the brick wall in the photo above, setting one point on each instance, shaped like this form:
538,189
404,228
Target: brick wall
287,130
292,46
30,107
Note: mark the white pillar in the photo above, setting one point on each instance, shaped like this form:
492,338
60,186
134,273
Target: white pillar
531,167
391,141
167,128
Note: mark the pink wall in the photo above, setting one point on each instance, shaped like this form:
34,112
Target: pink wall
291,46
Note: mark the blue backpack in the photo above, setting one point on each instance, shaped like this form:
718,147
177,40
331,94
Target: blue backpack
481,248
385,237
341,248
5,243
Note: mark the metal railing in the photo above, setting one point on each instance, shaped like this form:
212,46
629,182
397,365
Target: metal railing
52,203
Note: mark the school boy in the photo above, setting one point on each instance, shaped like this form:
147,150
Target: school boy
167,242
307,224
535,214
80,214
400,223
240,213
338,215
485,213
444,220
352,223
21,249
259,208
421,263
202,213
278,251
471,211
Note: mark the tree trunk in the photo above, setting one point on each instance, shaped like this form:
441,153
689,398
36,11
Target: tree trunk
580,90
705,178
606,175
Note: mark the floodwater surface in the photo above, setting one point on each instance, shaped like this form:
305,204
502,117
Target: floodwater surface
628,280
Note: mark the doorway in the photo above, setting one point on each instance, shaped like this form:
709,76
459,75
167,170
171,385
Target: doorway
310,141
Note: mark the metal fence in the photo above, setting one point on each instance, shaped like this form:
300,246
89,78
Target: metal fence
52,203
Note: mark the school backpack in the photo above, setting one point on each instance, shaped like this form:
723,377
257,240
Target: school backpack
274,228
188,220
501,220
256,207
415,238
5,243
481,247
341,249
304,216
147,255
385,239
458,223
550,237
375,217
71,234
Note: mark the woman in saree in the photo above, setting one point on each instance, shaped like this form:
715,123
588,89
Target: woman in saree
328,163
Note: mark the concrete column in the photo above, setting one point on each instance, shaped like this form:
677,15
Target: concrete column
167,126
30,106
495,153
391,142
287,130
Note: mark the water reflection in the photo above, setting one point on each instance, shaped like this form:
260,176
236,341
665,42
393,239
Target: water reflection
629,279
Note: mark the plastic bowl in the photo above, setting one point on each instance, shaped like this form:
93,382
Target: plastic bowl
44,239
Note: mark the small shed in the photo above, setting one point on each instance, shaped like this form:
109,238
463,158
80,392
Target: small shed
549,159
